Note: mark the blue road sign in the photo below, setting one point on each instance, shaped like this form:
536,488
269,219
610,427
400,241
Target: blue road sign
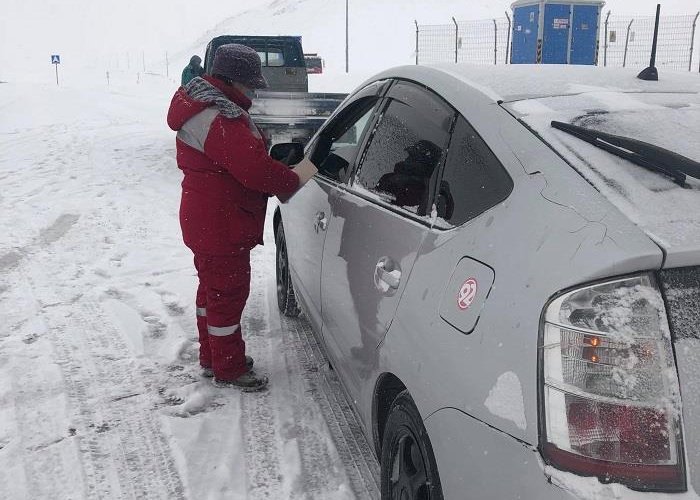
55,59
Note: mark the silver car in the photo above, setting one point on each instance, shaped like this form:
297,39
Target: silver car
503,265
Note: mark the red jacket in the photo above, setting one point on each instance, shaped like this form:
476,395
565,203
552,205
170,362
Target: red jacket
228,173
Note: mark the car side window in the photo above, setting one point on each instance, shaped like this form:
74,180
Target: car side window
402,162
337,147
473,179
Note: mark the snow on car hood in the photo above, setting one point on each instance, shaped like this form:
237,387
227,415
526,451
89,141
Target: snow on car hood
668,213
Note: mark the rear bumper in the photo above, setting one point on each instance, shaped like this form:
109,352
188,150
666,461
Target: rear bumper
477,461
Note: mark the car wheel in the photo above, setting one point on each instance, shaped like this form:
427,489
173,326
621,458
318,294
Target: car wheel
408,467
286,300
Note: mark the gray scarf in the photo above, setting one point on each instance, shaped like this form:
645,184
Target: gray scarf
201,90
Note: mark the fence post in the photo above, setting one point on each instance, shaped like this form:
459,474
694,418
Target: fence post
510,26
456,38
692,42
495,43
627,42
605,49
416,21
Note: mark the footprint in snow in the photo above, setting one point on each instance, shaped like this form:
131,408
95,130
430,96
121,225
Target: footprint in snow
189,351
190,400
156,328
102,273
113,293
30,339
174,309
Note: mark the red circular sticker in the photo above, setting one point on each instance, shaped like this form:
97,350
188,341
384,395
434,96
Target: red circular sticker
467,294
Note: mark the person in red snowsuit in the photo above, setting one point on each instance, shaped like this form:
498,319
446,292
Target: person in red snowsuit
228,177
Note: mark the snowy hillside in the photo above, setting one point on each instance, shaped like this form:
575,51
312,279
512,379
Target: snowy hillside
381,33
130,35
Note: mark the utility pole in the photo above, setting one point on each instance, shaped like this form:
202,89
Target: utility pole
143,60
605,47
347,38
417,33
456,39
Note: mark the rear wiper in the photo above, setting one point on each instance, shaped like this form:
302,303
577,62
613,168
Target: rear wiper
649,156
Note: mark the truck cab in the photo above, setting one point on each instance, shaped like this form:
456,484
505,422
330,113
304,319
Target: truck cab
282,59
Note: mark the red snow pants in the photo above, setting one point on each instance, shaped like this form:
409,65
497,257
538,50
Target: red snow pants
224,286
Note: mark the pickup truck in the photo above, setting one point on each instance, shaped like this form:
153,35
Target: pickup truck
286,111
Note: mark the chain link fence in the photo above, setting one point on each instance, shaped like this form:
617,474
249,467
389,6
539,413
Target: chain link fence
475,42
436,43
625,41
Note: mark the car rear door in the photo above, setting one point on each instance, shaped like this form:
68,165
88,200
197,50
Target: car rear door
306,216
379,222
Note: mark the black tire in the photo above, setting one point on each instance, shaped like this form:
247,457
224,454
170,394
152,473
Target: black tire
408,467
286,300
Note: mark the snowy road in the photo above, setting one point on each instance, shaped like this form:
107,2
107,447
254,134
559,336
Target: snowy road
100,396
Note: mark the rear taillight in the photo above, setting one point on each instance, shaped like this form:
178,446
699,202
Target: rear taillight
609,394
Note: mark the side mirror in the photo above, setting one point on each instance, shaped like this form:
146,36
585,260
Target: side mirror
289,153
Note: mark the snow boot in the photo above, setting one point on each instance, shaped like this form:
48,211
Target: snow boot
207,372
248,382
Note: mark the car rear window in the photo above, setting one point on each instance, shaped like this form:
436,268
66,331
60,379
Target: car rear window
273,51
669,213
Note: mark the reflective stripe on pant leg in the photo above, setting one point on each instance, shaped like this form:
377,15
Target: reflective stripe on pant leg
201,305
227,281
222,331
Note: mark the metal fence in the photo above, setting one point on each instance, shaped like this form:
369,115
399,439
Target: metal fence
625,41
475,42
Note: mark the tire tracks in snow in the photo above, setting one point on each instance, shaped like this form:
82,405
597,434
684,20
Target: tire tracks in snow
47,236
43,451
302,438
142,455
121,448
123,452
325,390
260,416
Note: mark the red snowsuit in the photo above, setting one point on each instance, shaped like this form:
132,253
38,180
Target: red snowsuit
228,178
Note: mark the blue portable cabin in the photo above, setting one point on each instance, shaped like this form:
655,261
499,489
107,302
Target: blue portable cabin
556,32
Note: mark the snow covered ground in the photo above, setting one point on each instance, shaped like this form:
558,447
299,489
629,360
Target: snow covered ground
100,395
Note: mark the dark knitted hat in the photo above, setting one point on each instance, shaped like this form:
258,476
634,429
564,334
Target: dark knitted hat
239,64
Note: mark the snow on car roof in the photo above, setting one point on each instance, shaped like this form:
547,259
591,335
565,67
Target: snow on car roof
665,113
517,82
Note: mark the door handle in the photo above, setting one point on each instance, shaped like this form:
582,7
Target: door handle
321,222
386,272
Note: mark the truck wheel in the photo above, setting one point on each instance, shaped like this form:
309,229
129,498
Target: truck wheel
408,468
286,300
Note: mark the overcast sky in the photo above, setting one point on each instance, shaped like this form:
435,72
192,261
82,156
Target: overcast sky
93,32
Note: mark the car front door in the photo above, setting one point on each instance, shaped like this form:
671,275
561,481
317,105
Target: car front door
379,222
307,215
